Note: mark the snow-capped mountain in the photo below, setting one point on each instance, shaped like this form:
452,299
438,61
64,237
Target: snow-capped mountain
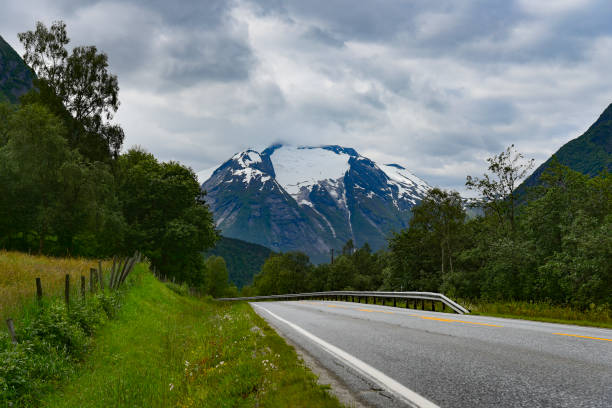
311,199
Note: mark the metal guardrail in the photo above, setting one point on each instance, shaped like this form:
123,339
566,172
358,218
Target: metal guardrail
359,295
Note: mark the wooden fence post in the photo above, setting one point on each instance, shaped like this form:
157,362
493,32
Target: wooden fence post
111,283
39,292
100,275
67,291
92,277
83,287
11,329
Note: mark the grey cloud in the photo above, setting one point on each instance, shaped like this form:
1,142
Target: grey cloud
319,35
185,44
191,59
491,111
436,86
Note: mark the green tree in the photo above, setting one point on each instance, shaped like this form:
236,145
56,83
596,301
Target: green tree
497,189
35,156
216,276
45,52
6,112
283,273
441,213
166,215
81,81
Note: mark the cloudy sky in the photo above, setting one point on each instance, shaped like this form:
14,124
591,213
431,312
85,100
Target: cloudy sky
437,86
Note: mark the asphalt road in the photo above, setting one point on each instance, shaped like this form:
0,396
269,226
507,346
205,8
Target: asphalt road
383,354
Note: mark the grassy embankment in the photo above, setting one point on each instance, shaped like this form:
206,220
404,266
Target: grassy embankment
168,349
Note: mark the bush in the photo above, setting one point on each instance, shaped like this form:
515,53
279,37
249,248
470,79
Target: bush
182,289
54,326
50,341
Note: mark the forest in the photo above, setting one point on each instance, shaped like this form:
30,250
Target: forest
67,190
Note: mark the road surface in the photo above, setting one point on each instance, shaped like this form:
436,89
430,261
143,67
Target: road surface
393,357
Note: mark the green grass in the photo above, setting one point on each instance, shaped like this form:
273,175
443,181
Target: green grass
165,349
540,311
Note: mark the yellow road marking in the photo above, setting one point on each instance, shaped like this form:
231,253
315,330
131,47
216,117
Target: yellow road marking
582,337
458,321
374,311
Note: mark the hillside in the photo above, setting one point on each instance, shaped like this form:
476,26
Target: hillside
588,154
311,199
15,75
147,344
244,259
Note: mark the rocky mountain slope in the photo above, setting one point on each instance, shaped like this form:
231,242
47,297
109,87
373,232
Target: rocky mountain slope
15,76
311,199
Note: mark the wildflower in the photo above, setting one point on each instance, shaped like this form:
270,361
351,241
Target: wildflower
171,386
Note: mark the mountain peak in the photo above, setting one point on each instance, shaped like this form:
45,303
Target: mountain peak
605,116
247,158
311,198
339,149
589,153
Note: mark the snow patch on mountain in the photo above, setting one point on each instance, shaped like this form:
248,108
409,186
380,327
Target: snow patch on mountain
302,167
246,158
248,174
407,183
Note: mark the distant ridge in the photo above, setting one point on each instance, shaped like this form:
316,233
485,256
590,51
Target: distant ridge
15,76
589,153
243,259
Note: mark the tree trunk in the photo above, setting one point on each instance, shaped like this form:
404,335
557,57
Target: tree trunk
450,258
442,247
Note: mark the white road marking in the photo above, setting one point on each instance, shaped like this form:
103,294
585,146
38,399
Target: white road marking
406,394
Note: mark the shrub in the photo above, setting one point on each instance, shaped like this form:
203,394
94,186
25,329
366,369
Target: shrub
50,341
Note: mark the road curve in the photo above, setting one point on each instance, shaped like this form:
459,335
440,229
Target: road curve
449,360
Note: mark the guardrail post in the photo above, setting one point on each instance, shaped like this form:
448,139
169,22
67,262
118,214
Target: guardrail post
422,304
433,306
394,302
443,307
